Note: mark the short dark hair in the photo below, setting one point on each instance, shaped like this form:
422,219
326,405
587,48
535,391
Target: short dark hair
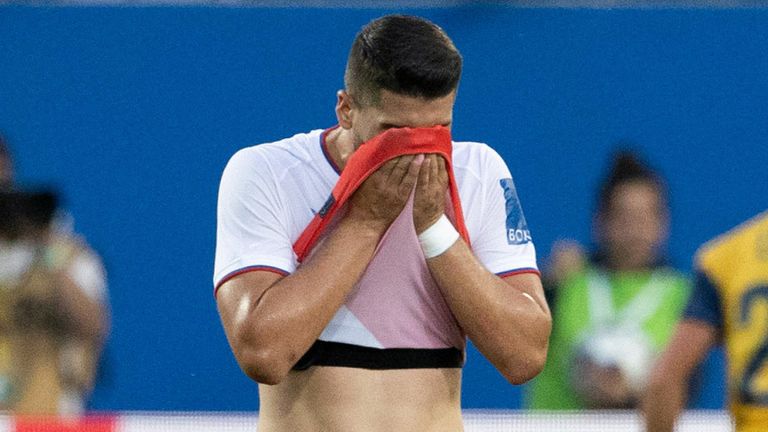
627,167
404,54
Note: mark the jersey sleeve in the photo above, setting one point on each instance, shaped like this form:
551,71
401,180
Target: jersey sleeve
704,302
251,233
504,243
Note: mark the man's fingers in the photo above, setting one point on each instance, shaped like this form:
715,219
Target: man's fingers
400,169
441,170
406,184
388,166
434,172
424,173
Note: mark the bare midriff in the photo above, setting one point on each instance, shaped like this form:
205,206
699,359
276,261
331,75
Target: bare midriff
338,399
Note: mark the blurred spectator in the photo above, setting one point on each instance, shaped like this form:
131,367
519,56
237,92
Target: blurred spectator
53,308
614,310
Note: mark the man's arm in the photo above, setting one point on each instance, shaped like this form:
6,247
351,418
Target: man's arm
507,319
271,321
665,395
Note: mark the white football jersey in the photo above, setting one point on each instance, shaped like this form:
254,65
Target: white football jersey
269,193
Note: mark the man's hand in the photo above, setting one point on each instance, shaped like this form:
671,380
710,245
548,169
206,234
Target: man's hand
382,196
271,320
429,202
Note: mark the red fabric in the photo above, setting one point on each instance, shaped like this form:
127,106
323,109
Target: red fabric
367,159
55,424
518,272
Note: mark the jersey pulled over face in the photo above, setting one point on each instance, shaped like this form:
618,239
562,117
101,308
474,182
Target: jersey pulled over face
270,193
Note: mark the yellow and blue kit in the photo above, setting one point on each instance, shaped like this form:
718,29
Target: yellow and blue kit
731,294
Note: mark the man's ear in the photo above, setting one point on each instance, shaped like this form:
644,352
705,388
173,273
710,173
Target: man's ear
344,109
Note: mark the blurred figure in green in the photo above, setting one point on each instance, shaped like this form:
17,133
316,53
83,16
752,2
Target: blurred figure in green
613,310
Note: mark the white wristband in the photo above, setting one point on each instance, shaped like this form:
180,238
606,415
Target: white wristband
438,238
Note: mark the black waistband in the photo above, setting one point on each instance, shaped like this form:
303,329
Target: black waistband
324,353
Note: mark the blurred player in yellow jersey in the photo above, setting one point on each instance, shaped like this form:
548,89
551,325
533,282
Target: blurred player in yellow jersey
729,304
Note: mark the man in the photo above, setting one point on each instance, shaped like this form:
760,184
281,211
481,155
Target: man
327,357
53,308
729,303
615,311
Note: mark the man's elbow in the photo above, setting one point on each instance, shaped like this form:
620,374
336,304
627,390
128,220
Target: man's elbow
525,361
262,359
525,367
265,366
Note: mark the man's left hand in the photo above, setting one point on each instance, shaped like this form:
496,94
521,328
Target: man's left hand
429,202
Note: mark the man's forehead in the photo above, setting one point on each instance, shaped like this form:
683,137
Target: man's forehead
403,110
390,98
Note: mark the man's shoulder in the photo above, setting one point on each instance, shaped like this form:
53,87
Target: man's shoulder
467,150
274,158
475,156
296,146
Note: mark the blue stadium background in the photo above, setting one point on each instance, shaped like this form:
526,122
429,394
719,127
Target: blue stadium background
133,113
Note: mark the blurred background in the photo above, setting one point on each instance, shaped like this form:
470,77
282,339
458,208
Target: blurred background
133,110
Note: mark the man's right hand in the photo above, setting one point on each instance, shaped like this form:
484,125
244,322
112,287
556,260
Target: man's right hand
382,196
259,308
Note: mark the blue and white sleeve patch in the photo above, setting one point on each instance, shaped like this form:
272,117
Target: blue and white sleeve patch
517,229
